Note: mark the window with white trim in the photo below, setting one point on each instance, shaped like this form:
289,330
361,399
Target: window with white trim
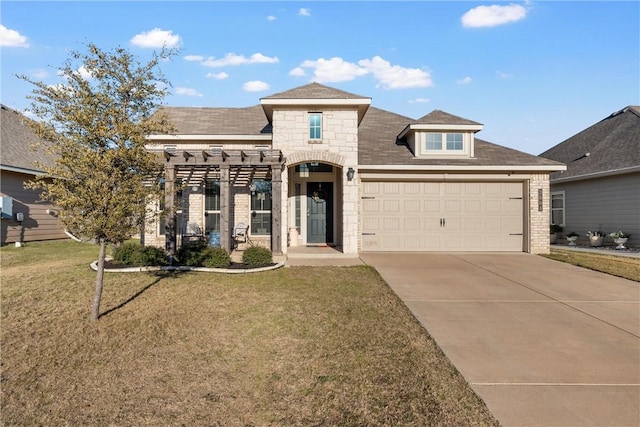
260,207
443,142
557,208
212,205
315,126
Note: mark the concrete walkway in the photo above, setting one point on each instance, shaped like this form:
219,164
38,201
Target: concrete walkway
542,342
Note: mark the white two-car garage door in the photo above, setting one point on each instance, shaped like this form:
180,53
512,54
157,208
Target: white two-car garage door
442,216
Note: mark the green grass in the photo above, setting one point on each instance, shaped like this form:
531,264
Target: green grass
291,347
626,267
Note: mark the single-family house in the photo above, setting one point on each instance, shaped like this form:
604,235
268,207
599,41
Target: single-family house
601,187
24,217
315,165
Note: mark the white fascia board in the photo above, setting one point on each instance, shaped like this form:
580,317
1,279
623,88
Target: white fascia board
266,137
456,168
22,170
319,101
441,127
596,175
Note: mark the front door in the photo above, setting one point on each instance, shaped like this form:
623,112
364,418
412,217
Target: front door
319,212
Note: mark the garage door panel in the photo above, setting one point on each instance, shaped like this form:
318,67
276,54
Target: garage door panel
453,216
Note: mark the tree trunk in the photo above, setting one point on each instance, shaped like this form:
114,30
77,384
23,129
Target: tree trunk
97,296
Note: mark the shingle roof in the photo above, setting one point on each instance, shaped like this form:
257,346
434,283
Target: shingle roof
218,121
612,144
439,117
377,145
315,91
16,142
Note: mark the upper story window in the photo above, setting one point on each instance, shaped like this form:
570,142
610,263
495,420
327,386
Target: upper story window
443,142
315,126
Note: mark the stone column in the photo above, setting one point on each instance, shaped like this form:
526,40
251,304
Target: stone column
170,211
225,208
276,209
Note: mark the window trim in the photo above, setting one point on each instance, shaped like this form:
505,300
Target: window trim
254,211
563,208
208,212
317,127
444,142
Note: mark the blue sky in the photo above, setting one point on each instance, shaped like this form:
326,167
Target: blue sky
534,73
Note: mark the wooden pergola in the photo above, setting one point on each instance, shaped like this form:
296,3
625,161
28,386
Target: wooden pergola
195,166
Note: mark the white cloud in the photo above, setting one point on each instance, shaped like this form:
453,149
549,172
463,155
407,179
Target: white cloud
271,18
297,72
197,58
395,76
39,74
217,76
333,70
492,16
255,86
465,81
156,38
304,12
12,38
233,59
84,73
420,101
187,92
503,75
29,114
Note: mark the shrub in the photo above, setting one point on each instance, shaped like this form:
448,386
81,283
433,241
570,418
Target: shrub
216,258
192,254
257,256
134,254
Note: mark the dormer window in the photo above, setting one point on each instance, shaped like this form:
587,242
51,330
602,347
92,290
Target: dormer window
433,142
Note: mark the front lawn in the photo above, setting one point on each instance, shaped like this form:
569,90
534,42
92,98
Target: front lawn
295,346
626,267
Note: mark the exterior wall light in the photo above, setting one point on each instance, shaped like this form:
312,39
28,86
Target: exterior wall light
350,173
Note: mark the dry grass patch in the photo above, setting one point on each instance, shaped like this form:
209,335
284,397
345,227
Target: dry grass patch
297,346
620,266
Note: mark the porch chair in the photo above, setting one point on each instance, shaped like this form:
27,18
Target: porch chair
241,234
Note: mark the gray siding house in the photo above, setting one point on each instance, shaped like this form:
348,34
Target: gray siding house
39,219
601,187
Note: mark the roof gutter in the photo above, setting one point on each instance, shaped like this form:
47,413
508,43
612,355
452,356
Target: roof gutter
453,168
22,170
597,175
264,137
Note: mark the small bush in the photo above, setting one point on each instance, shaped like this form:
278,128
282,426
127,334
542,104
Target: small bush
134,254
192,254
257,256
216,258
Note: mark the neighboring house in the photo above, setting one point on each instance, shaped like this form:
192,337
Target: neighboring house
319,166
601,186
39,219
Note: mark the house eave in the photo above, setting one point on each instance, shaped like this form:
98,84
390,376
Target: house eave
594,175
466,168
439,127
362,104
265,137
26,171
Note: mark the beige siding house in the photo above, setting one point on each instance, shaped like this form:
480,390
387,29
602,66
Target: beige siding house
38,219
601,187
318,166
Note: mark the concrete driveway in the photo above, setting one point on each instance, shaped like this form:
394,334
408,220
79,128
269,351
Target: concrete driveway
542,342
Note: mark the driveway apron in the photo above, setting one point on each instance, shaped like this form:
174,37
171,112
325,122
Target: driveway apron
542,342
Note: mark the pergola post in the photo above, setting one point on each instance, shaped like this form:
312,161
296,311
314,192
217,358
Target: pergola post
170,211
276,209
225,208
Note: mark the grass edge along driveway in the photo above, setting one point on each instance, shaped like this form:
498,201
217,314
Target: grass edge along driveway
296,346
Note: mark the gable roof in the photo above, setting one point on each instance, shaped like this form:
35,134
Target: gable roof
608,147
16,144
378,145
439,117
315,94
315,91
